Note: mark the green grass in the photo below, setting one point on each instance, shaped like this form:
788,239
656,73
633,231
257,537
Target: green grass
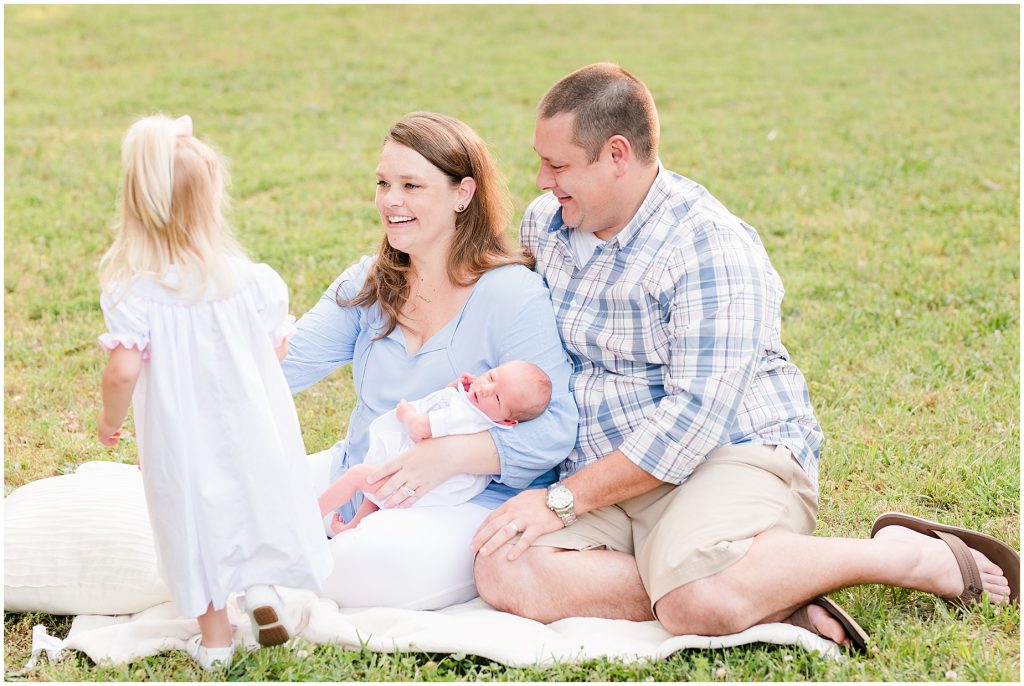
875,148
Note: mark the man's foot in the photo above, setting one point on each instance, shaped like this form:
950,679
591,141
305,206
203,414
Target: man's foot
825,618
816,620
936,569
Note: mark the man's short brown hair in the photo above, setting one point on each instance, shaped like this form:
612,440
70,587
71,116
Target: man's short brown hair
607,100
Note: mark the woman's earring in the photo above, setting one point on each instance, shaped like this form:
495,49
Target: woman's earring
460,208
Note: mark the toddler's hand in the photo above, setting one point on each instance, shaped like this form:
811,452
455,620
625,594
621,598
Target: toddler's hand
108,433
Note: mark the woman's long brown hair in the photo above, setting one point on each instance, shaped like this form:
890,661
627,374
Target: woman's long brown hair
479,243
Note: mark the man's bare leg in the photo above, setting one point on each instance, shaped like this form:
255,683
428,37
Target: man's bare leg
592,597
771,583
783,570
548,584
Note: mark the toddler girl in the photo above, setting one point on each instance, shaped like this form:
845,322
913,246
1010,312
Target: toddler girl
193,331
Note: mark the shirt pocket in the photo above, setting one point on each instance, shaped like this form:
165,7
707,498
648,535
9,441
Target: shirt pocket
628,327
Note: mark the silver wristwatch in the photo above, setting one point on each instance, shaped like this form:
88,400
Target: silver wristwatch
561,503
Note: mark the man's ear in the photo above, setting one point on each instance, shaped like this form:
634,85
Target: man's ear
620,150
509,422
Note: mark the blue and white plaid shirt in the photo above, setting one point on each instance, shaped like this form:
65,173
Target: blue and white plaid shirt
674,331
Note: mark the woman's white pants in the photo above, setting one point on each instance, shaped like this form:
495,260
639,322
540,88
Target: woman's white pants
416,558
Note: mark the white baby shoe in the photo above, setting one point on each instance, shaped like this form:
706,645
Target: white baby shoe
266,612
210,659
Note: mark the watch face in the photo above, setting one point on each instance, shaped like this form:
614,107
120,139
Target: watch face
559,498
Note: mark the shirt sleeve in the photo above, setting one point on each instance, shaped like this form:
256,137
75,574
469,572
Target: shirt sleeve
325,337
530,449
716,322
127,324
277,322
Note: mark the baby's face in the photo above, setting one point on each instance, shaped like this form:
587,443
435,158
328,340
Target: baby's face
497,394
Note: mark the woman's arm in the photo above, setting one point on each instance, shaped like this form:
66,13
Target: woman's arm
326,335
431,462
530,449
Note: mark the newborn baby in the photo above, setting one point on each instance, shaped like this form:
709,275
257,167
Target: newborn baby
513,392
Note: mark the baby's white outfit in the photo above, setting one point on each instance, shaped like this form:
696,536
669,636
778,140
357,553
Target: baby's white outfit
450,412
223,463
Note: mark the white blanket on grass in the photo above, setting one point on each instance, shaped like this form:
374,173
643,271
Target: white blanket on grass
473,628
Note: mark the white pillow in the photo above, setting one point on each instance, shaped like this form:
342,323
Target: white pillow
81,544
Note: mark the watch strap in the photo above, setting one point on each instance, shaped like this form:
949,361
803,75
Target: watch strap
568,513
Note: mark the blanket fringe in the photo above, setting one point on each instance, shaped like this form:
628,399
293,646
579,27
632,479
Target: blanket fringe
42,642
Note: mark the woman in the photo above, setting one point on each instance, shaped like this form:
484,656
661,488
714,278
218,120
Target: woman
444,295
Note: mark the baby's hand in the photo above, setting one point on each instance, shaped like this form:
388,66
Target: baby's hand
465,380
403,410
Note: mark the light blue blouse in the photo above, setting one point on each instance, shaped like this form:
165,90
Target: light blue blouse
507,316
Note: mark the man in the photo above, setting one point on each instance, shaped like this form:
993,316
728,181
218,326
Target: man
692,491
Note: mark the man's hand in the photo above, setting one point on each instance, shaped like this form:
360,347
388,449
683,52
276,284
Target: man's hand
526,514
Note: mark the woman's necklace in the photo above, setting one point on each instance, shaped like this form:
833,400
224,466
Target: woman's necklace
419,293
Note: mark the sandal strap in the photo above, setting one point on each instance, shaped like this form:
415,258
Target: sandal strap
968,567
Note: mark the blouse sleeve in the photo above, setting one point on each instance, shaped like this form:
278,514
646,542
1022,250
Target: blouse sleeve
127,324
530,449
277,322
326,335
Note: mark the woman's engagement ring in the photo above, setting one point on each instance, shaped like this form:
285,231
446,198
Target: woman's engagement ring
409,491
514,527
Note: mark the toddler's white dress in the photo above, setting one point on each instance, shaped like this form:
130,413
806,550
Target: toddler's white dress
223,463
450,413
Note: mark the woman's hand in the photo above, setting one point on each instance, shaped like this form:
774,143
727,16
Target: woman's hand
526,515
413,473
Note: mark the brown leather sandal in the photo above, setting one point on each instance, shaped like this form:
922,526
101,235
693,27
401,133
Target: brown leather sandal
960,541
858,637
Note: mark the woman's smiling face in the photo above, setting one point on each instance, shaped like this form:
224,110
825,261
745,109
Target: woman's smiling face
416,201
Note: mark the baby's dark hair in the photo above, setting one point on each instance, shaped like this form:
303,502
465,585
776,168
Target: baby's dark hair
538,380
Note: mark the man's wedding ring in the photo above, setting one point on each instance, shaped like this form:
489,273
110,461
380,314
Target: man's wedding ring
409,491
514,527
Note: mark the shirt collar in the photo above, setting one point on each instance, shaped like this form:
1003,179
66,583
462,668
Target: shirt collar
652,201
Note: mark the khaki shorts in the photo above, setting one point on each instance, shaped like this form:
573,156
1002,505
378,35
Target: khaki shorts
679,534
